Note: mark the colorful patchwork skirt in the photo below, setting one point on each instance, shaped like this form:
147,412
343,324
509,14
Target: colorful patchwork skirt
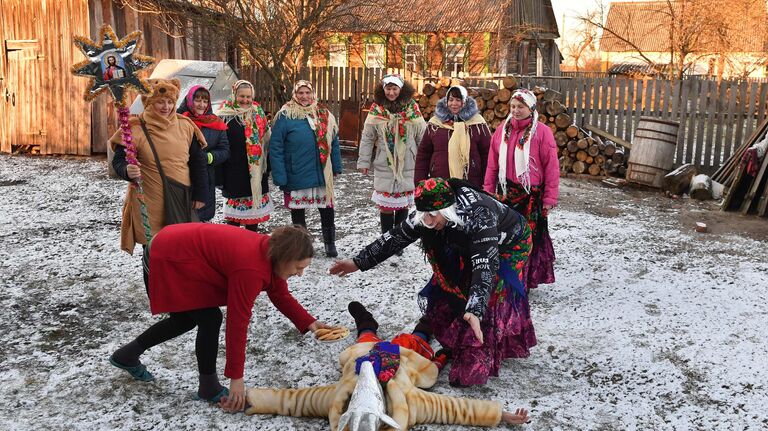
507,326
541,262
243,211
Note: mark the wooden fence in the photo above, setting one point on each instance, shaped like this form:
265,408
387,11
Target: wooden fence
715,117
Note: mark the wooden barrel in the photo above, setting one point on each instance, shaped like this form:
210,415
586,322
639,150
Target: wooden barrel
653,151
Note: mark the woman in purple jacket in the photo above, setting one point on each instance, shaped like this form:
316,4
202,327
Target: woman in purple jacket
456,142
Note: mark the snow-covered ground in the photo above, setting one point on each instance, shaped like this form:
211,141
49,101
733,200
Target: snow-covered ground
649,326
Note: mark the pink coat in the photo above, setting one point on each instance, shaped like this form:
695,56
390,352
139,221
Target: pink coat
544,166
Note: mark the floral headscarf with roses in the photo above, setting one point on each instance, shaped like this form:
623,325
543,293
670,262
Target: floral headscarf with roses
433,194
323,124
256,127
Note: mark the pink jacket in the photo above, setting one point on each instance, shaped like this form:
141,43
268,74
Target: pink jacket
544,166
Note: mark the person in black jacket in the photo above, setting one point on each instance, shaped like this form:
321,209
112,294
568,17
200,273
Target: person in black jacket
197,107
476,303
245,175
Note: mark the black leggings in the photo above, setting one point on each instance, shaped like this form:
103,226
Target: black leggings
208,322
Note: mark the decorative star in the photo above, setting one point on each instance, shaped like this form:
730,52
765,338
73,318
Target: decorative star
122,73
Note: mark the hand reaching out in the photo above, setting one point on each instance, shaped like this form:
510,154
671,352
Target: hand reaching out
343,267
519,417
474,323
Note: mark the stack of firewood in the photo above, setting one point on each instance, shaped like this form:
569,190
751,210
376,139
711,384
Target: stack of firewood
582,154
579,152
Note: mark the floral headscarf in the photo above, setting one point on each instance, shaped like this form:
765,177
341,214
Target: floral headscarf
206,120
256,129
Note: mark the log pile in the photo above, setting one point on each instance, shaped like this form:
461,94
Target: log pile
579,151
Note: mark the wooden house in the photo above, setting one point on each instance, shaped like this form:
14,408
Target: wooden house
426,36
639,42
41,102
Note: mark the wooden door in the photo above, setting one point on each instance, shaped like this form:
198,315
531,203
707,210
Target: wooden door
24,90
27,93
5,94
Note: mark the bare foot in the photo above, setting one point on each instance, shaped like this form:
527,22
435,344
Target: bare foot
518,418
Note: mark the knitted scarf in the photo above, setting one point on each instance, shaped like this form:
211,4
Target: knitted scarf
254,121
399,128
322,122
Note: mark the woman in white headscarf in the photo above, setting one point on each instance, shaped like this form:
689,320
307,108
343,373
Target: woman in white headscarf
456,142
524,172
305,157
391,135
245,186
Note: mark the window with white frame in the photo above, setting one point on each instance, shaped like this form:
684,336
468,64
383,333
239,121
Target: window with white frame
375,55
414,56
454,57
337,55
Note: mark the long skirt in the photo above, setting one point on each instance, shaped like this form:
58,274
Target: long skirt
540,268
507,326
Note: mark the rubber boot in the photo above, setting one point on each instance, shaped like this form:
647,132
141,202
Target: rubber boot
299,217
329,239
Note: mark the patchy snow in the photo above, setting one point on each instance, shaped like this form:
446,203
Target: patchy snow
649,326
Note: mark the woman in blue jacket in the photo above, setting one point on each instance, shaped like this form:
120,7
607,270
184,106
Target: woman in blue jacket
197,106
305,157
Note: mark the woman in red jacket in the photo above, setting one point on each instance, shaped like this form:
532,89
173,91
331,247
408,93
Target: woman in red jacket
195,269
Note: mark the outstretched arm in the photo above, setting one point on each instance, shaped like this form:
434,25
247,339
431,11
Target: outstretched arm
388,244
306,402
430,408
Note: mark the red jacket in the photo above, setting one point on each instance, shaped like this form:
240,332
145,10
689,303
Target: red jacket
197,265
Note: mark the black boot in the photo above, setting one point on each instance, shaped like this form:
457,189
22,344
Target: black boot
387,221
363,318
400,215
329,239
329,231
299,217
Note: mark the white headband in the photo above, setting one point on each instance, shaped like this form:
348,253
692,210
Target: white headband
527,97
392,79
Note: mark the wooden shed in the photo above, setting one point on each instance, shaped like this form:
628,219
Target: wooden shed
41,102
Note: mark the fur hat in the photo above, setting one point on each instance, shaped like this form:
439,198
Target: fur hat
169,88
399,104
433,194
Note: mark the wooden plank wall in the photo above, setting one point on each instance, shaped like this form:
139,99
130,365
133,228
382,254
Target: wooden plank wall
714,117
44,107
194,44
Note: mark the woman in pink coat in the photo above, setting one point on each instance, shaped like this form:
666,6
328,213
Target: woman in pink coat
523,172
